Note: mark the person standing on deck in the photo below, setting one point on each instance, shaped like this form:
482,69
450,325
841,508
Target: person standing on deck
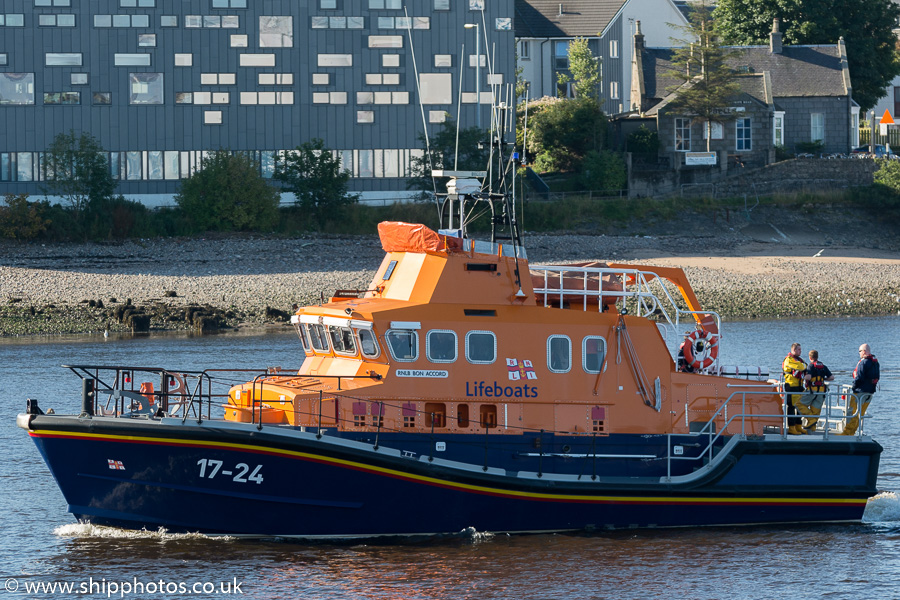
794,373
865,380
815,390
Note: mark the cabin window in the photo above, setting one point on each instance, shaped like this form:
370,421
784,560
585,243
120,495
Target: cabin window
342,340
377,409
598,419
462,415
481,347
435,414
409,414
440,346
317,337
367,343
304,339
390,270
593,352
488,416
403,344
559,353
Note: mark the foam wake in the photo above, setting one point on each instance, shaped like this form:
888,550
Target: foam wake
883,507
87,530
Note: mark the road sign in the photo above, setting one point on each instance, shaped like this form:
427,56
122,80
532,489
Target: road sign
887,119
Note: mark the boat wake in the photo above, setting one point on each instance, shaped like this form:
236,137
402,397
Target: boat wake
87,530
884,507
473,534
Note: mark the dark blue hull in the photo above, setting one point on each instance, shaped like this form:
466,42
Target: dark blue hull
234,479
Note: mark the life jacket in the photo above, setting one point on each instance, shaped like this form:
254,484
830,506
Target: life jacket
793,368
817,372
873,371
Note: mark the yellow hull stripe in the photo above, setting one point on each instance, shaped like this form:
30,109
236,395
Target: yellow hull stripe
444,483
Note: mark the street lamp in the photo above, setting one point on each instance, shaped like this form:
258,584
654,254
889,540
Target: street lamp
477,71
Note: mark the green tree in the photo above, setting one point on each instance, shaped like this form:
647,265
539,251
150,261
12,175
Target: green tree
228,193
584,69
603,170
315,177
865,25
472,155
888,174
21,219
701,62
77,168
562,132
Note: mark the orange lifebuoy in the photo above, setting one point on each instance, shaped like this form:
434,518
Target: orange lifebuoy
702,350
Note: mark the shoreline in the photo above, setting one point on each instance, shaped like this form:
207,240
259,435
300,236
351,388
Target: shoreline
251,282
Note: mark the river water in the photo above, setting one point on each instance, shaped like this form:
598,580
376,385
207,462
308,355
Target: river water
41,545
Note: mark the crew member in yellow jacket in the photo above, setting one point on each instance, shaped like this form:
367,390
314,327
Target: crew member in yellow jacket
794,369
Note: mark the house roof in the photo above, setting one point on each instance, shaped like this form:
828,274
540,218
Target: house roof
751,85
579,18
799,71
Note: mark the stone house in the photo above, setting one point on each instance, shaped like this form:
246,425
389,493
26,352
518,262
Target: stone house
789,96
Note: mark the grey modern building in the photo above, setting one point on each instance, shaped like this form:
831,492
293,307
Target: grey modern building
159,82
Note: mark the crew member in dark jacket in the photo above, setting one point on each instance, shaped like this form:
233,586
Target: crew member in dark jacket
865,380
815,389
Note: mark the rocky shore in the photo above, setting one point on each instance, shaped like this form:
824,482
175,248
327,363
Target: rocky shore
757,271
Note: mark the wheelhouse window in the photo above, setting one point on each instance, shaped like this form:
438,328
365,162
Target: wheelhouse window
342,340
682,135
440,346
317,337
367,343
743,136
481,347
403,344
593,352
304,339
559,353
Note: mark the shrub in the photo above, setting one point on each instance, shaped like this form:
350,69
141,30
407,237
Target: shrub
21,219
603,170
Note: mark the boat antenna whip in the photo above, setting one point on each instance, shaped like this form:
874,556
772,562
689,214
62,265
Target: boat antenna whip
412,52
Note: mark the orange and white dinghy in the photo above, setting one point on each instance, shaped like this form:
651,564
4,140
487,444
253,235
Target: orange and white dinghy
463,388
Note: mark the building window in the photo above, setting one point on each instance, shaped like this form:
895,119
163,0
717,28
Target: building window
390,60
817,127
12,20
238,40
147,40
56,20
328,4
335,60
441,4
716,129
385,4
131,60
137,3
53,2
257,60
436,88
682,135
481,347
614,90
525,50
276,79
559,353
614,48
78,78
385,41
17,88
561,56
365,116
168,21
276,32
212,117
443,60
145,88
778,129
437,116
217,78
320,78
743,136
476,4
267,98
59,59
184,60
101,98
4,59
62,97
229,3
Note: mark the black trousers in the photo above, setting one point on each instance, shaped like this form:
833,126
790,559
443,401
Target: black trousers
791,410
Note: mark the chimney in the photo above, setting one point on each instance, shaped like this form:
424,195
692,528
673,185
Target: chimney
775,37
638,36
561,11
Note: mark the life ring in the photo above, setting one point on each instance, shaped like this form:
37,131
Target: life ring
702,350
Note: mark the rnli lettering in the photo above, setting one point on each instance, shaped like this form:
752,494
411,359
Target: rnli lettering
495,390
421,373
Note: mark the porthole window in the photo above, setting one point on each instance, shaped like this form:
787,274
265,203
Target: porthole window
317,337
440,346
403,344
342,340
559,354
367,343
481,347
593,352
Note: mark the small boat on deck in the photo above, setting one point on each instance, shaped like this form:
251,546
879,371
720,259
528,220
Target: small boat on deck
463,389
